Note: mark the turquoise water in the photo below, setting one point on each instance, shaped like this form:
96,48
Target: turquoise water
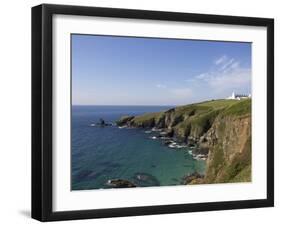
103,153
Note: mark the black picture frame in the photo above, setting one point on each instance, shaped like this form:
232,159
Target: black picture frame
42,111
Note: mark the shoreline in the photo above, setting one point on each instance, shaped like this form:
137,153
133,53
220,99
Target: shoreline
172,142
218,131
165,139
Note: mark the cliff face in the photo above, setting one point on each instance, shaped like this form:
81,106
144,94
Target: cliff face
229,157
221,129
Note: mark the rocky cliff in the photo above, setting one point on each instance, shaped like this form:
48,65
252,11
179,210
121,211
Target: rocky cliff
220,128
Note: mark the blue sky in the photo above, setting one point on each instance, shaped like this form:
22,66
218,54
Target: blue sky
110,70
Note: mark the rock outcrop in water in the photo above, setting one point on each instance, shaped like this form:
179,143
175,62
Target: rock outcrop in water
221,129
102,123
120,183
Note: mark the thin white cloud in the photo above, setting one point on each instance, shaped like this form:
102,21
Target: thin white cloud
227,74
226,64
202,76
235,65
221,60
233,80
161,86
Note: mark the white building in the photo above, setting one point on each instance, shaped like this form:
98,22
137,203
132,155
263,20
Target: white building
235,96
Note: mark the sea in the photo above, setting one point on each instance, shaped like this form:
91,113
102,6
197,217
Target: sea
100,154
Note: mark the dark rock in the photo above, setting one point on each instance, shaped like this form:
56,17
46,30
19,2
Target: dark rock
177,119
120,183
160,123
172,110
147,123
167,142
190,177
102,122
200,150
170,133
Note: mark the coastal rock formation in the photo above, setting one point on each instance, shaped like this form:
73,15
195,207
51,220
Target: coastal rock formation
120,183
229,158
219,129
193,177
101,123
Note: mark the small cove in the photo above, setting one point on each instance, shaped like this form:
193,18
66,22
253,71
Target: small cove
100,154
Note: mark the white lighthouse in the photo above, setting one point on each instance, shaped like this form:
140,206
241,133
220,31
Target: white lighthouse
235,96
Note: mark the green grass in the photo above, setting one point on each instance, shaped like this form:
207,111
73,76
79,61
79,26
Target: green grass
193,119
191,109
196,119
200,114
147,120
216,104
206,107
145,117
240,108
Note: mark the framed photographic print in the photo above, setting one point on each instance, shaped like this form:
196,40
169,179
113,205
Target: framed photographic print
145,112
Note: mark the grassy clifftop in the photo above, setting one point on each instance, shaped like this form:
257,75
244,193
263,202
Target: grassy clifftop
189,121
221,128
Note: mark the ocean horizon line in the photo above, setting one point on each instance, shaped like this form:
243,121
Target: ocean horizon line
148,105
